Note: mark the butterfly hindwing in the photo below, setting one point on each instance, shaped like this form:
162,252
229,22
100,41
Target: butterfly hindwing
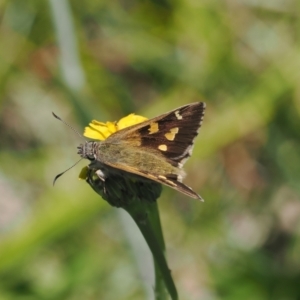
170,180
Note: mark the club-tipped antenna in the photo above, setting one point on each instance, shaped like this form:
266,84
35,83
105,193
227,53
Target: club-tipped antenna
60,174
58,118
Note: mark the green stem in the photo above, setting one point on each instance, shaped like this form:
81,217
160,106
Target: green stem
146,217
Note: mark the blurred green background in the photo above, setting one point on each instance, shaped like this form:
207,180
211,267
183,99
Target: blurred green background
104,59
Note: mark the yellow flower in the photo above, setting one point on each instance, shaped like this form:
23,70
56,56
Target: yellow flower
101,131
130,120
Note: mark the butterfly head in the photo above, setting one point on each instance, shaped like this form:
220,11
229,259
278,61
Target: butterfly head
87,150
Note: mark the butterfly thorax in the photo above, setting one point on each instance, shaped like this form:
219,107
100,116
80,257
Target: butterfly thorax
88,150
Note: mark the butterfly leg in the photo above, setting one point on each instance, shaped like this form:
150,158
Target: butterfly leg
101,176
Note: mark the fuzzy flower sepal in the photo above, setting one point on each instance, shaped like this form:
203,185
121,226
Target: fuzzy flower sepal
121,190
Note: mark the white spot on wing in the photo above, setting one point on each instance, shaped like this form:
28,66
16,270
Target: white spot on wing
178,115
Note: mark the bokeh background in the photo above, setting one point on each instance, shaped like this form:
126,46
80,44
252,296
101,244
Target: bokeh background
104,59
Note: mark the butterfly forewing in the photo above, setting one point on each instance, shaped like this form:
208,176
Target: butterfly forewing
173,134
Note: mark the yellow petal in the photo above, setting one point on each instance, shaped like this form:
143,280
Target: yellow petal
99,131
111,126
83,173
130,120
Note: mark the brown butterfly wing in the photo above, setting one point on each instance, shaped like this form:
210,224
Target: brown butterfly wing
171,135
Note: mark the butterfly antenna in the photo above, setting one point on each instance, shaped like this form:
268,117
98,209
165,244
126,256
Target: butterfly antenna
57,117
60,174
